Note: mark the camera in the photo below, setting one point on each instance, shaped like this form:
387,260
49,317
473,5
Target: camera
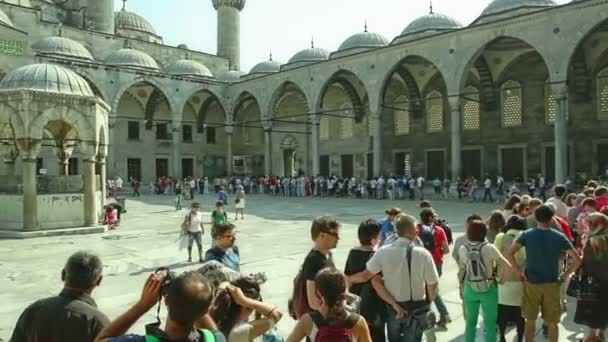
169,278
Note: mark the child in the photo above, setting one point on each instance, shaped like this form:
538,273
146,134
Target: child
110,218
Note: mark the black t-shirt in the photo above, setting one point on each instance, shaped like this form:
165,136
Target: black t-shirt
314,262
355,263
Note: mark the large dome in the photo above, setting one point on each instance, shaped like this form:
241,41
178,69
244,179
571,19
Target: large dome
125,20
267,67
364,40
498,7
312,54
4,19
188,67
432,22
132,58
62,47
46,78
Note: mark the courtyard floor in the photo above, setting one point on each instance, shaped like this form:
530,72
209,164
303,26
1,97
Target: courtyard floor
274,238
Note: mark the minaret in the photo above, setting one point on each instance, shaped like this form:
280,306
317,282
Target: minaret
229,30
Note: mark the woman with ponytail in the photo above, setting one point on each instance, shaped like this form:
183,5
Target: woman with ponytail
333,322
233,306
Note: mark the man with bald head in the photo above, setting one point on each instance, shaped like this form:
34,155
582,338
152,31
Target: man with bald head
187,298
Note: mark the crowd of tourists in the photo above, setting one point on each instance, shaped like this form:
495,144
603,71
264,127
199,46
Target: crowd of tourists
522,261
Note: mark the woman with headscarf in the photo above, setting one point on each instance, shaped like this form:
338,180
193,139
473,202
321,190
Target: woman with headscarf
595,264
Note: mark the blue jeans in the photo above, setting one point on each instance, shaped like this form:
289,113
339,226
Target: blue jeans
443,310
402,330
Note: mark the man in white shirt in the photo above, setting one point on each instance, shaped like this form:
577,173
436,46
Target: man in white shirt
487,186
118,183
390,188
193,228
409,274
192,188
380,188
420,186
373,184
561,209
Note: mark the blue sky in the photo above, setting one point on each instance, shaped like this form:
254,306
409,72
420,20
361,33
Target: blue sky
286,26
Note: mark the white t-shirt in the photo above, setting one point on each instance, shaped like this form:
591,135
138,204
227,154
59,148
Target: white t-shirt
392,262
487,183
119,182
561,209
196,221
192,184
420,182
489,253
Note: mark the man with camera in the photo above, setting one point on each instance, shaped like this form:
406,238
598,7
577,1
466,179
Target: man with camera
187,298
410,283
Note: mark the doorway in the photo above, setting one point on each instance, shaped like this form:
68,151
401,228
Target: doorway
435,164
187,167
512,160
370,165
347,165
289,162
403,164
471,163
324,166
602,159
162,167
134,169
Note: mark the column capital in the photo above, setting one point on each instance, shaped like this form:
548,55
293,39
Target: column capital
229,129
238,4
455,101
560,91
28,148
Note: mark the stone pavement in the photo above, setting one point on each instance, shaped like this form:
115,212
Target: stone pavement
273,238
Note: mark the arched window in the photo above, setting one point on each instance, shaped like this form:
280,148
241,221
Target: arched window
434,112
470,108
511,104
324,128
402,115
346,122
602,94
550,104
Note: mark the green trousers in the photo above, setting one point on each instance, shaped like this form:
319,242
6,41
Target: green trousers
489,304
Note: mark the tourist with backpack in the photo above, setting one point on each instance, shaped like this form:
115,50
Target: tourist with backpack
435,241
325,233
541,272
331,322
477,259
510,287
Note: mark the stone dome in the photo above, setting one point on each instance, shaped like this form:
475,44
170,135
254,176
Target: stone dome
364,40
4,19
432,22
183,46
46,78
231,76
132,58
311,54
62,47
188,67
498,7
126,20
267,67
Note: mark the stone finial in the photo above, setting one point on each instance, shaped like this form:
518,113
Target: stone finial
238,4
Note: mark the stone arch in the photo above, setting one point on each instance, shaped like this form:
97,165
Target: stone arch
352,86
93,83
583,31
292,92
82,125
152,82
202,101
247,119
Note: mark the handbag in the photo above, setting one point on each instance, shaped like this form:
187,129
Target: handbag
298,304
584,287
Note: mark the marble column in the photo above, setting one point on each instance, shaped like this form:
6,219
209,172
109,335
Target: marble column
63,155
229,132
112,160
455,137
177,150
30,194
315,150
561,137
268,152
90,203
101,161
377,148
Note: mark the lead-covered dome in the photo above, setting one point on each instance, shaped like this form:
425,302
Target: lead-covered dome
266,67
62,47
131,21
364,40
310,55
46,78
499,9
4,19
188,67
432,22
132,58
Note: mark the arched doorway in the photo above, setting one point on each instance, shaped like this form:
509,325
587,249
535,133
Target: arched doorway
291,164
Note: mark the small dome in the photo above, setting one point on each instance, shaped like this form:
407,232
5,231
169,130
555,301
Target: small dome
497,7
188,67
46,78
183,47
432,22
63,47
364,40
4,19
266,67
126,20
231,76
132,58
312,54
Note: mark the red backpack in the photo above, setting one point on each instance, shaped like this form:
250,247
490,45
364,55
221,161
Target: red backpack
334,333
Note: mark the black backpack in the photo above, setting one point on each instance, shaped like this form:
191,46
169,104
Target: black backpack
427,236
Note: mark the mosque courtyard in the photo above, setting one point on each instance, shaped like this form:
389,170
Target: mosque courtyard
274,238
